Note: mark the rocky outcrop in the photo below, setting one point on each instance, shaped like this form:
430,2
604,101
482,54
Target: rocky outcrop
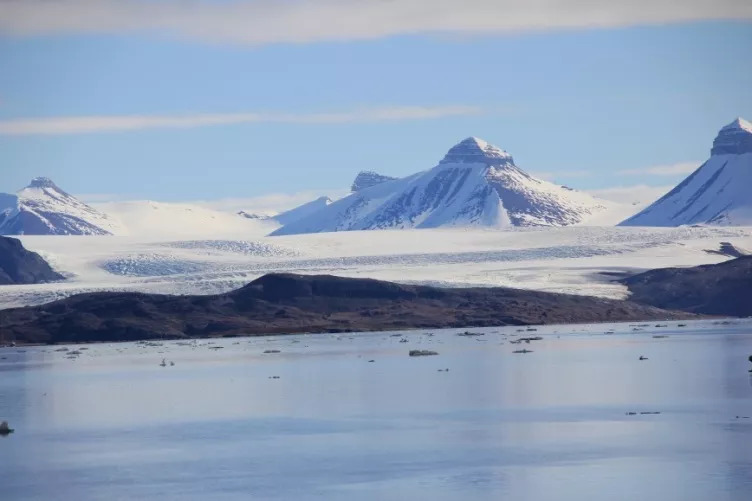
714,289
733,139
20,266
367,178
253,215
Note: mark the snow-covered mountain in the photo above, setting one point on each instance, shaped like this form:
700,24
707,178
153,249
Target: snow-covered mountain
44,209
288,216
475,184
718,192
367,178
302,211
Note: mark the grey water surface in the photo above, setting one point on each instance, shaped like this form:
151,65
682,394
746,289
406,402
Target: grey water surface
318,420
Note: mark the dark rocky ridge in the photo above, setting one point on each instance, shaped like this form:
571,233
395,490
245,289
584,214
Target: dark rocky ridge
714,289
728,249
45,182
733,139
285,303
21,266
366,179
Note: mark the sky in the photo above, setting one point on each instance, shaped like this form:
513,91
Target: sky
177,100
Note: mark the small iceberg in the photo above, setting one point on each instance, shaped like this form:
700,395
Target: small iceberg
422,353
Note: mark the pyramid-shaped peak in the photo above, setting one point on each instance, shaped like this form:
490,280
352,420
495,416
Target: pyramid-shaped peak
739,124
476,150
42,182
733,139
480,143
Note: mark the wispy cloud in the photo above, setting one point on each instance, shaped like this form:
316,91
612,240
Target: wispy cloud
662,170
262,22
86,124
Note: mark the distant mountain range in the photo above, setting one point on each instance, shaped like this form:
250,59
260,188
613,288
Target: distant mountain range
42,208
719,192
475,184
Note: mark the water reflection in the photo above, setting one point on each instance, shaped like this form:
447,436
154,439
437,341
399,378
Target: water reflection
551,424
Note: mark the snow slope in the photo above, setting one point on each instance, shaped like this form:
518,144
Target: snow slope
476,184
146,218
44,209
718,192
302,211
8,205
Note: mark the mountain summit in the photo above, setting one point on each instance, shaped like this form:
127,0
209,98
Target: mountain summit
43,182
718,192
475,150
44,209
733,139
475,184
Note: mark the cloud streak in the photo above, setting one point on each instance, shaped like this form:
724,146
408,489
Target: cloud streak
662,170
263,22
114,123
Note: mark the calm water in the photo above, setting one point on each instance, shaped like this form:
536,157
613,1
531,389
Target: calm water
552,424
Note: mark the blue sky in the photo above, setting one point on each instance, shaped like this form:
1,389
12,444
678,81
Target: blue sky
579,105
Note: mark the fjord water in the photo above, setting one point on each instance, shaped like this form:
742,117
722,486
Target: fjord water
318,420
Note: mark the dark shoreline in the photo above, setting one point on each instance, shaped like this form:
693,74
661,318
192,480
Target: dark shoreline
294,304
637,325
